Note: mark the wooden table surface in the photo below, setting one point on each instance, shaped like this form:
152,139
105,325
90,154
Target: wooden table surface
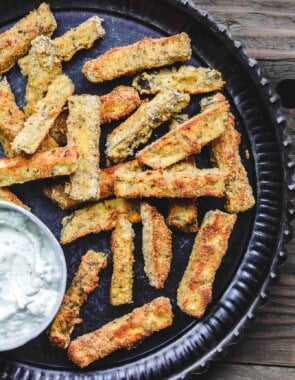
267,30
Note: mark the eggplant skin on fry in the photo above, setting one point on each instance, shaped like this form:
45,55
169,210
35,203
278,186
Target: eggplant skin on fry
144,54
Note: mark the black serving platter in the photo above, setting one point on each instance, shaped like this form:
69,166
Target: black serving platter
257,245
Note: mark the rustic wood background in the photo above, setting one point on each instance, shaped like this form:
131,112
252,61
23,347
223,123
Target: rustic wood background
267,30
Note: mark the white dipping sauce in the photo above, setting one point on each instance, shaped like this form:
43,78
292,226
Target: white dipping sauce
29,276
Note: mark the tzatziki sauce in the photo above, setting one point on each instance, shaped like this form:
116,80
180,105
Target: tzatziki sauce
30,279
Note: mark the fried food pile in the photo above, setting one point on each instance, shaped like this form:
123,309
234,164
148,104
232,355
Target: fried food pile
58,134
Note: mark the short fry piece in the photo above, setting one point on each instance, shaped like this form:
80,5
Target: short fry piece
82,36
47,109
45,164
144,54
84,282
187,139
137,129
101,216
156,245
9,196
165,184
189,79
16,41
41,66
124,332
84,132
225,154
195,289
122,247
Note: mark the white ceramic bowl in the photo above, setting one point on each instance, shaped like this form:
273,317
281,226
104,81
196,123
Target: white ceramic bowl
59,258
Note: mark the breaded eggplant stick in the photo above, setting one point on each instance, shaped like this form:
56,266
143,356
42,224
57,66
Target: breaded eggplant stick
47,109
166,184
11,117
81,37
189,79
46,164
225,154
122,247
16,41
195,289
187,139
182,213
101,216
124,332
41,66
119,103
84,132
9,196
156,245
138,128
84,282
144,54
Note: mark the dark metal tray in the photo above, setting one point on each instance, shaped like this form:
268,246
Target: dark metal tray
257,245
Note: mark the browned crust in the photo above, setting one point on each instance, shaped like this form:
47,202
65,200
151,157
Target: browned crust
195,289
187,139
122,247
144,54
45,164
16,41
9,196
156,246
100,216
84,282
124,332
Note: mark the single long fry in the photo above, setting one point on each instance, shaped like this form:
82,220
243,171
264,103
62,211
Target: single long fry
16,41
166,184
156,245
47,109
225,154
41,66
84,282
82,36
84,133
9,196
124,332
137,129
190,79
45,164
144,54
187,139
195,289
101,216
122,247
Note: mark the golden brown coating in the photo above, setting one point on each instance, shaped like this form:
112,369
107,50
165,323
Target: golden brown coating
195,289
37,126
101,216
144,54
156,245
16,41
84,282
82,36
120,102
8,196
182,213
45,164
122,247
166,184
124,332
41,66
83,126
138,128
11,117
225,154
189,79
187,139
